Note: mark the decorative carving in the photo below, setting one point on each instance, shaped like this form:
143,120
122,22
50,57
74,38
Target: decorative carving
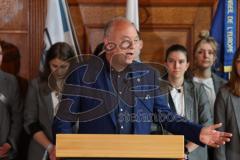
8,10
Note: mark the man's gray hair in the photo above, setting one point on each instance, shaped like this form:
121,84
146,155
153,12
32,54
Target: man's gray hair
114,21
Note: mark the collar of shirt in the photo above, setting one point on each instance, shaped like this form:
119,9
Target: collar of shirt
208,82
178,100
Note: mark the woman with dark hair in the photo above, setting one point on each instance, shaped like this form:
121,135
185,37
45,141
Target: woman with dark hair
187,98
42,101
227,111
10,111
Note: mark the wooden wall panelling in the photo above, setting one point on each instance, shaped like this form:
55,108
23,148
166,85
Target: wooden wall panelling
37,23
14,25
174,24
157,38
89,20
163,22
145,2
22,23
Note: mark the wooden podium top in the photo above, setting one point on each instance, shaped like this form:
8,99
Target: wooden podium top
119,146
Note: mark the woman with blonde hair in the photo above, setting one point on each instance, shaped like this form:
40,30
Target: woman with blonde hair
227,111
205,55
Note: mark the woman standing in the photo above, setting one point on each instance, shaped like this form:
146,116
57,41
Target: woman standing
205,55
42,99
187,98
227,111
10,112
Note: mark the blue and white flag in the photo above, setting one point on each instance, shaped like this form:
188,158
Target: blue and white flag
224,31
133,15
132,12
58,27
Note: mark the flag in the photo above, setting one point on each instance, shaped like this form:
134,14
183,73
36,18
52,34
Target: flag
58,27
133,16
132,12
224,31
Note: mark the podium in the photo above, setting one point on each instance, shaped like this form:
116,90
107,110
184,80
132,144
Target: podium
119,146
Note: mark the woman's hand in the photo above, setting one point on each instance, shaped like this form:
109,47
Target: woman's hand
4,149
52,152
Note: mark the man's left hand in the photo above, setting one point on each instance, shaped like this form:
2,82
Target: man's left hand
211,137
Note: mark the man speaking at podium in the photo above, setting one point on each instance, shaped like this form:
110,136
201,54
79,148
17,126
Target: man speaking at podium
112,94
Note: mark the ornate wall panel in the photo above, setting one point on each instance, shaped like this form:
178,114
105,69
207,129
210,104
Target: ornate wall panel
162,22
22,23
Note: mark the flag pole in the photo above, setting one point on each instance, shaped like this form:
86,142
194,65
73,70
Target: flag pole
74,34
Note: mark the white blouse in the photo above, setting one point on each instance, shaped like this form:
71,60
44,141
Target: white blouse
209,87
178,100
55,100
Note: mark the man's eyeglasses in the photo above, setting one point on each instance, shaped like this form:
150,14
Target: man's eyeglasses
124,45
